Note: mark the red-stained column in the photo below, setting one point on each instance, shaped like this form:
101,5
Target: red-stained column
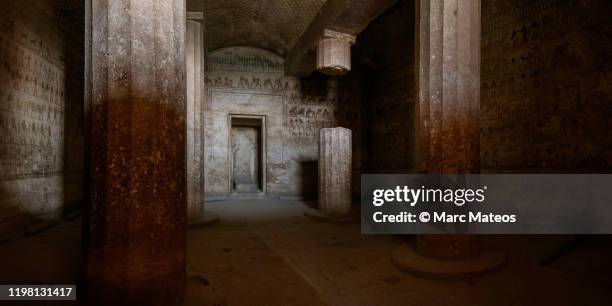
136,223
448,138
449,102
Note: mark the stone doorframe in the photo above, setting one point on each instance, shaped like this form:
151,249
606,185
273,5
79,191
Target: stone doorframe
262,149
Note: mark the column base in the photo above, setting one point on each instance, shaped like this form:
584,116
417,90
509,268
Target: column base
352,217
207,218
405,258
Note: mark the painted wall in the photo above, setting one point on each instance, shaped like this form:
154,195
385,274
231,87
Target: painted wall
41,98
546,85
251,81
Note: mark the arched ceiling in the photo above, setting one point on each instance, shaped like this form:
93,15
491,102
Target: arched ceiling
270,24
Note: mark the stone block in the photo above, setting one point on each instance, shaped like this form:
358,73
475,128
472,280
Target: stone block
335,160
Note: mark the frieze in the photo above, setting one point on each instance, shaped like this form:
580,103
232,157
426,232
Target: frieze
246,82
240,62
31,104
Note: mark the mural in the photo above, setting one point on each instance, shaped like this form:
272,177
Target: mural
251,81
31,104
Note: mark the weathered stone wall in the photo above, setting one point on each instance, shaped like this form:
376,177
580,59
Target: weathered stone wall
545,89
545,85
251,81
41,98
386,52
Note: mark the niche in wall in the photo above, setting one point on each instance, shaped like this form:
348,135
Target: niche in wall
247,157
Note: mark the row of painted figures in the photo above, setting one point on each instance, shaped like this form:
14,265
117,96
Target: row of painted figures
246,83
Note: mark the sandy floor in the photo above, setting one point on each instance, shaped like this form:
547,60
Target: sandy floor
267,253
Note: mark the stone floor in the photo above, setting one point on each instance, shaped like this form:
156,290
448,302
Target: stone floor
267,253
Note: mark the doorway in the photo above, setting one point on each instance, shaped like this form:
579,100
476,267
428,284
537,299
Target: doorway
247,158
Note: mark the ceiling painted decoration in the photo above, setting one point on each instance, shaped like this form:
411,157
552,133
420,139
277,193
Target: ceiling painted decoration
274,25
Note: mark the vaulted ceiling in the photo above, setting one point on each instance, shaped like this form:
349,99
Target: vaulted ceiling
270,24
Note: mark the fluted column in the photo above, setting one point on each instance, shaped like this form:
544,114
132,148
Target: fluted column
448,141
137,219
335,158
449,102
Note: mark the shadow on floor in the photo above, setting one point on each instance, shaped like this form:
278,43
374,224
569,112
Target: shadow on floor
268,253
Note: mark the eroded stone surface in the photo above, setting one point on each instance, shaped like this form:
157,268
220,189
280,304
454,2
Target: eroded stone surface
449,103
194,52
334,53
246,161
545,86
250,81
41,94
136,247
449,86
335,158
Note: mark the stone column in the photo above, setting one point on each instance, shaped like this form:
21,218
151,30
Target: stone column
195,52
449,102
335,159
448,37
137,215
448,139
194,66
